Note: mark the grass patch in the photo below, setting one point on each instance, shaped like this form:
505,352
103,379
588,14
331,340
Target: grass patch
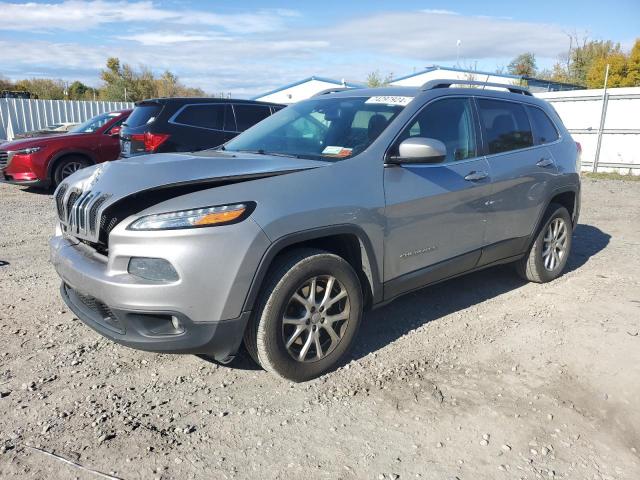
611,176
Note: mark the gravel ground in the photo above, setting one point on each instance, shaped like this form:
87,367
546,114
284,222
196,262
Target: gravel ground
483,377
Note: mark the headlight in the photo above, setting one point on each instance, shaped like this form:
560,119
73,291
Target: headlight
201,217
26,151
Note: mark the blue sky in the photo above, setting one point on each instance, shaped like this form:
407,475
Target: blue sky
246,47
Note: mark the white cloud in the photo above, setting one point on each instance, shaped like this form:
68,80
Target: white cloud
253,52
167,38
79,15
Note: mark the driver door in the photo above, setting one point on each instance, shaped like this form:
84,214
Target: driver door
436,214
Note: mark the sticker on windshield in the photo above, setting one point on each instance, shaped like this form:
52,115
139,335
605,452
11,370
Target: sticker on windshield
333,151
390,100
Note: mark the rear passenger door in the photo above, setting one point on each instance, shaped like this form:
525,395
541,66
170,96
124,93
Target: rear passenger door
521,169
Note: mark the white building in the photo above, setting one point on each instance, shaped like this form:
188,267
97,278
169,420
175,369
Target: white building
303,89
437,72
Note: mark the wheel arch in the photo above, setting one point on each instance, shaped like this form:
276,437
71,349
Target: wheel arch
348,241
568,197
59,156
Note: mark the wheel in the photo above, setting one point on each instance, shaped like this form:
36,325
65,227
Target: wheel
307,317
68,166
550,250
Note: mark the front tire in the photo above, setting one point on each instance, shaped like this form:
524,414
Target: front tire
307,317
550,250
68,166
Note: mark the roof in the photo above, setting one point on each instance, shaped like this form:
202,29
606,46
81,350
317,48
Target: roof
379,92
456,69
530,80
165,100
309,79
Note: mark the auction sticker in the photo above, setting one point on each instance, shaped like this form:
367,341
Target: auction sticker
334,151
390,100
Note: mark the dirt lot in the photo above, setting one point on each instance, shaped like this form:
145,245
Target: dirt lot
483,377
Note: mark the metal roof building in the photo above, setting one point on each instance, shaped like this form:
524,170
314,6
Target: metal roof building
303,89
437,72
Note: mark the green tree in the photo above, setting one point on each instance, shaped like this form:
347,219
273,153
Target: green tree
524,64
375,79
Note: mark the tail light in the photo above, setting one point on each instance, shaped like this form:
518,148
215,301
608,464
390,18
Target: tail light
579,156
150,140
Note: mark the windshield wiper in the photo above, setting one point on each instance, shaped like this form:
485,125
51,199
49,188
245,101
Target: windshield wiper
306,156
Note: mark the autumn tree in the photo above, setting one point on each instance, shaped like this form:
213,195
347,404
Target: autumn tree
624,69
523,65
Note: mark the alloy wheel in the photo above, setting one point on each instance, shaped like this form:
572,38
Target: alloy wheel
554,244
315,318
70,168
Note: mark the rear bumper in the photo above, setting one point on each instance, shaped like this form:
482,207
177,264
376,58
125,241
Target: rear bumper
154,331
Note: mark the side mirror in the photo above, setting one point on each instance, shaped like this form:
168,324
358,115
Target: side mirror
115,131
420,150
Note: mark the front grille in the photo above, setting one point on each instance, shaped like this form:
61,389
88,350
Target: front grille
4,159
79,211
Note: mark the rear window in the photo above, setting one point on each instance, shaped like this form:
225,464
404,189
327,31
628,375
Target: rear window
505,125
143,114
248,115
211,116
545,130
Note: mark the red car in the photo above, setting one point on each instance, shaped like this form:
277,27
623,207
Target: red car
46,161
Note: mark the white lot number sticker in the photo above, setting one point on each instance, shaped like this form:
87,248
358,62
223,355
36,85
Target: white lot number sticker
390,100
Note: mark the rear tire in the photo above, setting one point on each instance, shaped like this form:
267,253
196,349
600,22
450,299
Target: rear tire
307,315
550,250
68,166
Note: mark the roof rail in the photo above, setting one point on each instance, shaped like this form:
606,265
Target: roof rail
333,90
431,84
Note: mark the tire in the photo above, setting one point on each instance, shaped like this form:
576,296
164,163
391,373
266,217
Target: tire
538,267
268,333
68,165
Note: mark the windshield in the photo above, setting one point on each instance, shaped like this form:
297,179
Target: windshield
143,113
94,123
321,128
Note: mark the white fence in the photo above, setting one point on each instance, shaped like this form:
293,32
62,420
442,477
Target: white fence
607,126
20,115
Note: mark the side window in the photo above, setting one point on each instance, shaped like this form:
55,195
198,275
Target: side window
544,129
451,121
203,116
117,124
248,115
505,125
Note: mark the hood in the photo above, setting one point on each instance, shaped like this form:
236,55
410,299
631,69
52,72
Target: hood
127,186
36,141
128,176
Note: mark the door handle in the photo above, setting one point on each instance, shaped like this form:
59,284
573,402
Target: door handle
544,162
475,176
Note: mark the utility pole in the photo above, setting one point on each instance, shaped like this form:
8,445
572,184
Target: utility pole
603,117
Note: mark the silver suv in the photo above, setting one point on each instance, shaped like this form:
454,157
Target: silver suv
338,204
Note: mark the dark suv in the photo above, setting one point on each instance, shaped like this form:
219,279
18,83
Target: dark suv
188,124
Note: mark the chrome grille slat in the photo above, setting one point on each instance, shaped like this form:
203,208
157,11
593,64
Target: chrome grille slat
79,211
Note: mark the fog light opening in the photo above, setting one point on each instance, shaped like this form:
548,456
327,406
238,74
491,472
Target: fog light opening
177,326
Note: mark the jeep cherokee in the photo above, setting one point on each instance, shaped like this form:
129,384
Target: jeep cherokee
337,204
